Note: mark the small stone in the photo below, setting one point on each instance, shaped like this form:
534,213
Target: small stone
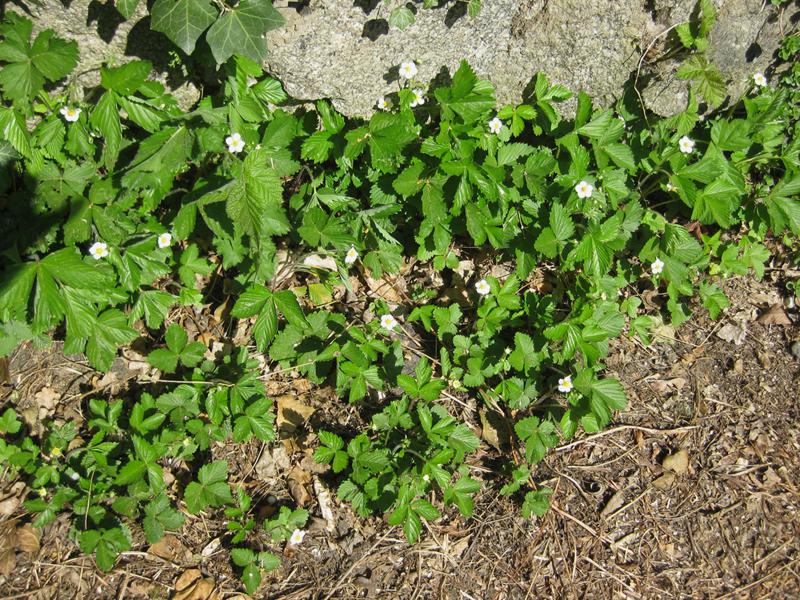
665,481
677,462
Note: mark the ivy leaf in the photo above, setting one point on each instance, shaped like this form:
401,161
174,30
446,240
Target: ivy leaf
241,31
183,21
401,17
126,7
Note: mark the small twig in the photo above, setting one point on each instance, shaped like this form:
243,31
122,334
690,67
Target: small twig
650,430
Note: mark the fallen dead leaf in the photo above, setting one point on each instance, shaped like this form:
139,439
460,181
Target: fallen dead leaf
665,481
170,548
662,386
325,504
292,413
210,547
11,501
273,463
774,315
733,333
45,400
318,262
298,479
192,586
677,462
28,539
615,502
495,429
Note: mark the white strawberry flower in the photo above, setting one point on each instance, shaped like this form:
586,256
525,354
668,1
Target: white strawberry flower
670,187
383,103
495,125
426,478
98,250
165,240
388,322
251,81
351,256
408,69
483,288
70,114
235,143
419,97
584,189
760,80
297,537
686,144
565,384
657,266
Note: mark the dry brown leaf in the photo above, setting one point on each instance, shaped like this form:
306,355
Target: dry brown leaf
495,429
292,413
615,502
298,478
11,501
774,315
733,333
170,548
28,539
677,462
45,400
388,288
191,586
665,481
662,386
325,504
8,561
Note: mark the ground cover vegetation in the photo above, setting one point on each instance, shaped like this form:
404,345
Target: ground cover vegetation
120,207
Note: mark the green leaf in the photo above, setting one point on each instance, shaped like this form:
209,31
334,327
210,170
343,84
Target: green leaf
28,66
537,502
110,331
713,298
183,21
256,201
105,117
401,17
783,205
538,437
210,489
241,30
126,79
126,7
706,78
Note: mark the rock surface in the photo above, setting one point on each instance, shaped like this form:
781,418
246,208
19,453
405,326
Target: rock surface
345,50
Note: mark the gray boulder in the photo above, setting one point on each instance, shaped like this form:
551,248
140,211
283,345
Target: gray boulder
345,50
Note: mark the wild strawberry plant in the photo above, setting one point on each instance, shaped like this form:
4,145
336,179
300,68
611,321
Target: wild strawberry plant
122,211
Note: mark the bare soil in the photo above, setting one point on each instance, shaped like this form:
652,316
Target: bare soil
691,493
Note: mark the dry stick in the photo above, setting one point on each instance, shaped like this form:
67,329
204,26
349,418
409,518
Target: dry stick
354,565
650,430
588,528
